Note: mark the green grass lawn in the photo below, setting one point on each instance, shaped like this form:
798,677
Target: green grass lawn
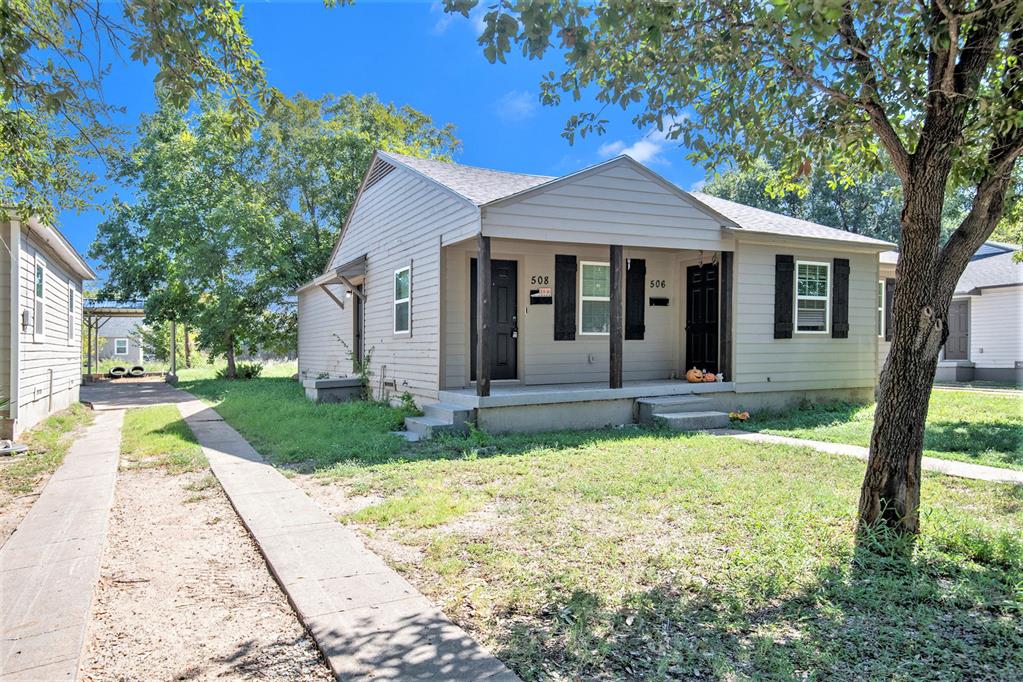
643,554
47,442
158,436
962,425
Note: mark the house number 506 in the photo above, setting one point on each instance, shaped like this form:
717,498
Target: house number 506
540,280
657,284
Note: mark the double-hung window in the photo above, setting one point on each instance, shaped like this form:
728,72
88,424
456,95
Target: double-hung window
880,308
595,298
120,346
813,291
39,307
70,310
402,300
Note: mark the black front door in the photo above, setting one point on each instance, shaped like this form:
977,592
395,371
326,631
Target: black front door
504,317
957,346
358,322
702,317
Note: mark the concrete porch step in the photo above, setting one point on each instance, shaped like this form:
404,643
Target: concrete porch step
693,421
669,404
456,415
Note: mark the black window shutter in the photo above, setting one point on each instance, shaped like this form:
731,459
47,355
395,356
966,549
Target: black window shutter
783,287
840,299
564,298
889,297
635,308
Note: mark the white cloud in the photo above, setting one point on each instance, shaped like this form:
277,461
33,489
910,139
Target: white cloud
649,149
445,19
516,105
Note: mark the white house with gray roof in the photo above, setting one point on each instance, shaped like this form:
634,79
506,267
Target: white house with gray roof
985,318
600,289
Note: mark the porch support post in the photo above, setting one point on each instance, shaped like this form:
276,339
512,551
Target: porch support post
617,331
725,315
482,315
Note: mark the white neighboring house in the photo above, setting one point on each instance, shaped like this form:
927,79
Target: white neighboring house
41,278
985,319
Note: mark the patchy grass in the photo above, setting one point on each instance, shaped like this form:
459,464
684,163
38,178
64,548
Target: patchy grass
158,437
274,415
271,370
643,554
961,425
646,555
47,442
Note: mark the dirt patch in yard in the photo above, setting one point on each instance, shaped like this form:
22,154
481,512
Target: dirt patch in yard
184,593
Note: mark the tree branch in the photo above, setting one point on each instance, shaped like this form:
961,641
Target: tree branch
869,96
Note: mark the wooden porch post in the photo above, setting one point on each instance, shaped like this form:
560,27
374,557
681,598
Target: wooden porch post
482,315
725,316
617,332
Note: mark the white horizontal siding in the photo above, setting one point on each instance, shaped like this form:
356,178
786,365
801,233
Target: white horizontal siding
806,361
616,205
996,328
541,359
399,221
50,364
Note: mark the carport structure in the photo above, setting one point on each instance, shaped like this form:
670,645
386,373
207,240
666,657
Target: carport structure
94,317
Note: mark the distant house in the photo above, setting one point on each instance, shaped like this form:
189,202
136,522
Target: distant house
41,278
601,289
985,319
120,340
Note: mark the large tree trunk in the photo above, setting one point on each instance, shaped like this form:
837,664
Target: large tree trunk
188,350
232,369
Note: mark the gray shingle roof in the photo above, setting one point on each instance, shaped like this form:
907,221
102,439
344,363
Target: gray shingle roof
990,271
478,185
758,220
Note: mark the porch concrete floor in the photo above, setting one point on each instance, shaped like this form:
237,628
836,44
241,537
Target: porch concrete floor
512,394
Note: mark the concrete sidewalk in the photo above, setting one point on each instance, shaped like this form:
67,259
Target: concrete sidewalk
944,466
369,622
50,565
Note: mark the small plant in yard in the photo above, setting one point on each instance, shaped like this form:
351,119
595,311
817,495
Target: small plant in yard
243,370
408,404
360,366
739,416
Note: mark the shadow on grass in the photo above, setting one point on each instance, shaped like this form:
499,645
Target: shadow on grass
867,618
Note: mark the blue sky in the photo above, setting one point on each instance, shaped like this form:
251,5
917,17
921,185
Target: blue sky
412,53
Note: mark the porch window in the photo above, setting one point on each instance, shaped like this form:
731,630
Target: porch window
812,296
39,300
70,310
880,308
120,346
402,299
595,298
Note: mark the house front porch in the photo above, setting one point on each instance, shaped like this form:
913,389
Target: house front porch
517,394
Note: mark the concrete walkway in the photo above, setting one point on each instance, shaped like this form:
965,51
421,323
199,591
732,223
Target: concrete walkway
945,466
50,565
369,622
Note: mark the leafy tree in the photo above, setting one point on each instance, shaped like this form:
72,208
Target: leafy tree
869,206
53,57
933,91
313,155
186,243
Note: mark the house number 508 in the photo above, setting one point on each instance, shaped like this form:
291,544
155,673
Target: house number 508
540,279
657,284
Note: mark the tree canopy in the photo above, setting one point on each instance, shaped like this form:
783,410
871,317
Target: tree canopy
54,56
221,228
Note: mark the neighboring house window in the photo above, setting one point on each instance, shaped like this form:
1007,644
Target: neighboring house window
812,296
595,298
120,346
880,308
70,310
39,313
402,300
